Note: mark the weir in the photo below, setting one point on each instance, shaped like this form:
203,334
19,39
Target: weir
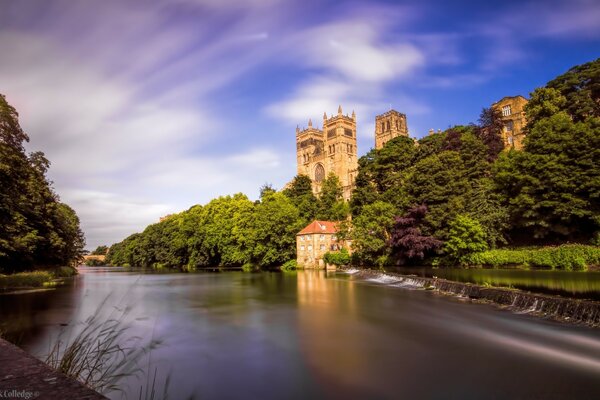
558,308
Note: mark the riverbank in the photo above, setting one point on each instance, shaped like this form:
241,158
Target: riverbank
35,279
24,376
562,309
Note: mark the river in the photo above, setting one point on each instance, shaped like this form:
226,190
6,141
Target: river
313,334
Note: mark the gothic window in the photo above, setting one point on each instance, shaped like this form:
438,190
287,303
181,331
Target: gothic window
348,132
330,133
506,111
388,125
319,173
382,126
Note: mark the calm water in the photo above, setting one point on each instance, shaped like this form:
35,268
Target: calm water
584,285
316,335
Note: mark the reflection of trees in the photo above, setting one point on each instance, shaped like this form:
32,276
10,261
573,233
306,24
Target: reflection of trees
26,318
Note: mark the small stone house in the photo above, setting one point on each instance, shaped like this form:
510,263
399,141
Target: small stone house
312,242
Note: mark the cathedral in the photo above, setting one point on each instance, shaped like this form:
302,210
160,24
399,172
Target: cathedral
333,149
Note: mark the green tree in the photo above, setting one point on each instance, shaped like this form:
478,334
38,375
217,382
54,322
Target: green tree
371,232
581,88
301,194
332,206
552,189
36,230
100,250
466,237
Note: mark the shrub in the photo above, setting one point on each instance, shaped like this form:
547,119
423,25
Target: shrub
249,267
466,237
64,272
338,258
290,265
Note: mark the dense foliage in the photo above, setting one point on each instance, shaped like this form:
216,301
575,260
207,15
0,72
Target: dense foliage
569,257
36,229
445,197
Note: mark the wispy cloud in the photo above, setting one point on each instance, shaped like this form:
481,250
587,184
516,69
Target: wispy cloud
147,108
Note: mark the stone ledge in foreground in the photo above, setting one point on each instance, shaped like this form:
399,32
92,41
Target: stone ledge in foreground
23,376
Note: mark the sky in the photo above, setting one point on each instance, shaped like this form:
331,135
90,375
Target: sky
145,108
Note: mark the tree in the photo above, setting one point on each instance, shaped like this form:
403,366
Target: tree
266,189
100,250
371,233
440,181
490,131
552,189
382,174
466,237
544,103
581,88
332,206
36,230
301,194
407,242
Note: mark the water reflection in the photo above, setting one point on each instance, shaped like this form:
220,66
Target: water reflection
316,334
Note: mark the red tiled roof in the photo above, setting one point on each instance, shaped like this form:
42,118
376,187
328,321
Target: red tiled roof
319,227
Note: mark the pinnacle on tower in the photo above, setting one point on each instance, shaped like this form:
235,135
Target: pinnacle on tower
310,123
353,115
324,115
297,129
340,110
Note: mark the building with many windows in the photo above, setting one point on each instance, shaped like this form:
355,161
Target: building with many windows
316,239
330,150
512,109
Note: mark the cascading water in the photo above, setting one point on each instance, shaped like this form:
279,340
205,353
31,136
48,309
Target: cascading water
560,308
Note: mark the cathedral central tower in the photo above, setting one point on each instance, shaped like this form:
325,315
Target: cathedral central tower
331,150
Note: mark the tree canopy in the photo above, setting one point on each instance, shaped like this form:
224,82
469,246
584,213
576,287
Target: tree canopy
36,229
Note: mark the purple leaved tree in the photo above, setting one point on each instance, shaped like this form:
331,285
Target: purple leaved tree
407,242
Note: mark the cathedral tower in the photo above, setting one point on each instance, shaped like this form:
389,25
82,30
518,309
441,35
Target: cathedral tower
331,150
388,126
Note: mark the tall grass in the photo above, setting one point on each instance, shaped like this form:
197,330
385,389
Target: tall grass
103,353
33,279
568,257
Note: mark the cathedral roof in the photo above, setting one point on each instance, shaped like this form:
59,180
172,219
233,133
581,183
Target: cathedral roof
319,227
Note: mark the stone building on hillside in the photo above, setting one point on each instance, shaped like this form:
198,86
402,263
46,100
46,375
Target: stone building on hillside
513,115
388,126
316,239
331,150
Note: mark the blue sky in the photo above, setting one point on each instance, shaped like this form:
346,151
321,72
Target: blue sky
148,107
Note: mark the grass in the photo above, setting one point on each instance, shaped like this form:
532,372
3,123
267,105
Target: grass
103,353
35,279
567,257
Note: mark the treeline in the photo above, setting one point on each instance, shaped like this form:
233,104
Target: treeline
440,200
232,231
36,229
